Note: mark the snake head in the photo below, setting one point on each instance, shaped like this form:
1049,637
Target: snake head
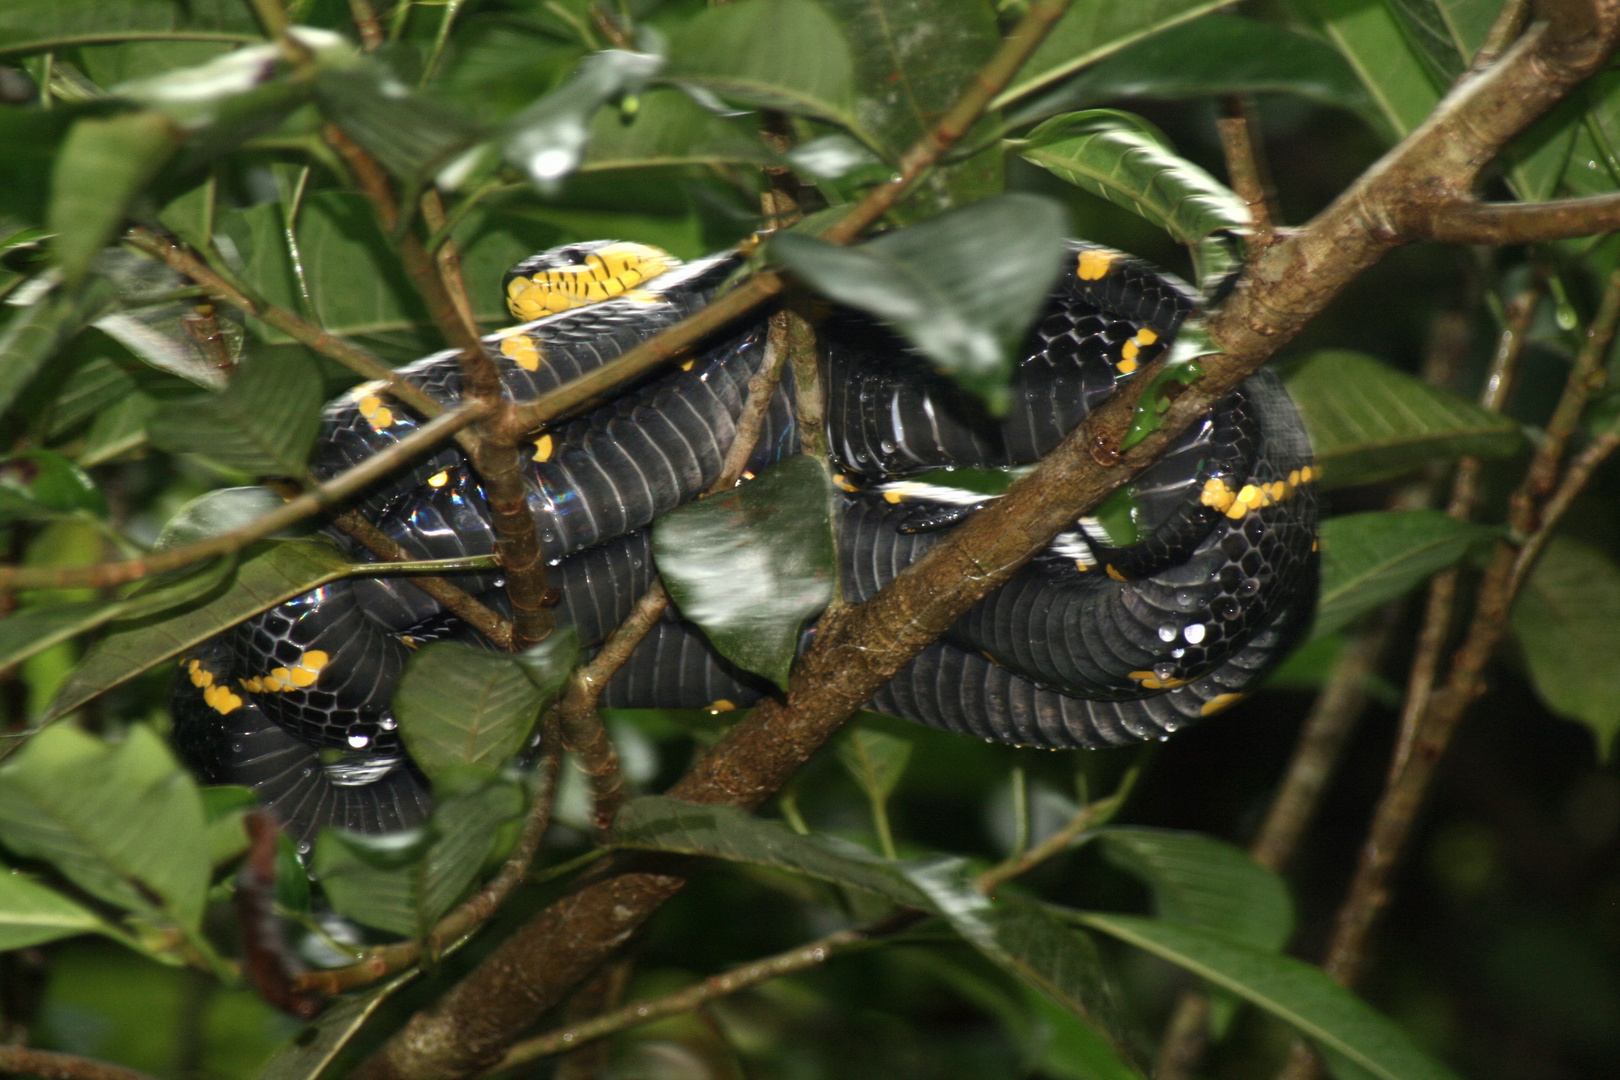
575,275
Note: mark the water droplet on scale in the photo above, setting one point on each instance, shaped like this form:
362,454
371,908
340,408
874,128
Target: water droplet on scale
1163,672
1167,633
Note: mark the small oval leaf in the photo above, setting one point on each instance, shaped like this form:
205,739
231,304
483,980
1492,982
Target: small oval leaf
1369,559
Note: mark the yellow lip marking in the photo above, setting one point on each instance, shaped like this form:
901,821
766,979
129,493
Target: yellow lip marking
375,412
1219,702
522,351
439,479
1094,265
543,447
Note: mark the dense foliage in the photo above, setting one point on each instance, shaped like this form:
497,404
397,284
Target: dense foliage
1021,913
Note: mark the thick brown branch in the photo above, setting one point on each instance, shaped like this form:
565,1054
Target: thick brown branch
322,497
21,1061
1467,222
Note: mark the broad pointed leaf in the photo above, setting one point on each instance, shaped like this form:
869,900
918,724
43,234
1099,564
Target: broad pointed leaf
103,163
547,139
752,565
1089,31
311,1050
1293,991
123,822
264,423
408,135
37,485
659,823
462,709
1370,39
774,54
1368,559
874,758
1121,158
408,899
669,128
30,26
34,334
32,914
1565,622
1369,422
962,288
270,574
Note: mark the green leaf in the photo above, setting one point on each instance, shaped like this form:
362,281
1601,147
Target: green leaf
669,129
103,164
264,423
1207,884
1369,37
37,485
271,573
224,808
124,822
309,1052
773,54
1369,559
753,564
1446,35
408,899
547,139
1566,622
1123,159
1088,32
1216,54
34,334
1294,992
962,288
875,759
1035,946
462,709
1369,422
32,914
29,26
659,823
409,136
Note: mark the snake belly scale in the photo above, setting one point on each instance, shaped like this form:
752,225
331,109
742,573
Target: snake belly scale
1165,606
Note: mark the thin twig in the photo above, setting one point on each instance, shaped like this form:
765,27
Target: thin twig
1245,168
372,37
467,917
1087,817
447,256
21,1061
319,498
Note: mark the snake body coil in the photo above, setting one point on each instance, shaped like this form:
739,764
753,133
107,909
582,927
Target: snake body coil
1164,607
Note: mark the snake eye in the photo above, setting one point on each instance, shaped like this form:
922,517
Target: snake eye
572,256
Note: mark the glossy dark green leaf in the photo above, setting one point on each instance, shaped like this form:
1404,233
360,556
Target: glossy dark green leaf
1370,38
1123,159
1369,559
118,429
215,513
1567,621
271,573
37,485
1088,32
1216,54
1295,992
123,822
962,288
1369,422
1445,34
1035,946
911,60
659,823
30,26
874,758
775,54
264,423
32,914
36,333
753,564
408,135
464,710
547,139
669,128
96,385
103,164
312,1049
410,898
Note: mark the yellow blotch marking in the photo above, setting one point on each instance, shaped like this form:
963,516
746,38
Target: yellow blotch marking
1308,473
1117,576
1127,365
200,676
1293,478
409,642
439,479
1094,265
522,351
1130,350
252,685
1151,681
721,706
1217,494
892,496
543,446
1146,336
375,412
1082,567
221,699
304,673
843,482
686,365
1219,702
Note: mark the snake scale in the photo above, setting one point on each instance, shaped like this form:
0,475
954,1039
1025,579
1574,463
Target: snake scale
1164,607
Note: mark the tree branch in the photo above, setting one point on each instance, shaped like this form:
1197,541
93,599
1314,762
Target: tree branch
1465,221
21,1061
